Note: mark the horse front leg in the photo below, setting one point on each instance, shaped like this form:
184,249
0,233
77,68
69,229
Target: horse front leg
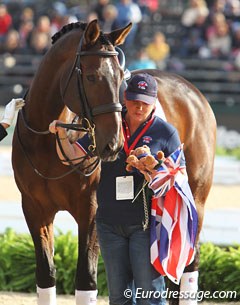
88,251
41,229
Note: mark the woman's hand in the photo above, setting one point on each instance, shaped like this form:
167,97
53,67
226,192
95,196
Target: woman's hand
53,128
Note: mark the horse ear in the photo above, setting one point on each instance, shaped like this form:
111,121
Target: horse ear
92,32
118,36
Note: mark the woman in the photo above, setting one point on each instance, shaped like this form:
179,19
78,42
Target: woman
123,241
8,116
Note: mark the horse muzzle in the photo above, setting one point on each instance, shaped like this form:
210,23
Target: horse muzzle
110,152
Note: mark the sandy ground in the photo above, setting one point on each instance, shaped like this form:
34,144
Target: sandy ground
221,196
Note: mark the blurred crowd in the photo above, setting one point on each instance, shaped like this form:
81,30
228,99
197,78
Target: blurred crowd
31,32
211,31
211,28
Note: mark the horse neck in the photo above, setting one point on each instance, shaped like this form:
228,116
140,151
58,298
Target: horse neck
44,102
45,96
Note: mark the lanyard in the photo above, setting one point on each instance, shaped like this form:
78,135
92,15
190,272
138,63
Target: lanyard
126,133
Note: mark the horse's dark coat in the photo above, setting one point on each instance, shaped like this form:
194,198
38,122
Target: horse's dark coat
184,106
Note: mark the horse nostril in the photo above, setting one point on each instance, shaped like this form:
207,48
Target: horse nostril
114,147
107,148
110,151
110,148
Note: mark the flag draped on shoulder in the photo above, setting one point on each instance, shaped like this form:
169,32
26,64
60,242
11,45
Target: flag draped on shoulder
174,219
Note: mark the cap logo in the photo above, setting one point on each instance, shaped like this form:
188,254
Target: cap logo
142,85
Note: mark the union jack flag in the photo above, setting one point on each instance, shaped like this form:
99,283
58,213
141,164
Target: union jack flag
174,219
163,178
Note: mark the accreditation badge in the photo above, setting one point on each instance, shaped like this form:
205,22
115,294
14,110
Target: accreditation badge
124,188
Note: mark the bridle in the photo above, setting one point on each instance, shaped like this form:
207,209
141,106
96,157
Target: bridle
87,111
87,115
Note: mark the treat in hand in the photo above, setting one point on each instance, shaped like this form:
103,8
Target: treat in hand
133,160
141,159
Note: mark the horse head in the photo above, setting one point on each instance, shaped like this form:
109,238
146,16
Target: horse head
90,87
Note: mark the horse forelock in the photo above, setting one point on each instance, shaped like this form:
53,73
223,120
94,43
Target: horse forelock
67,28
103,39
78,25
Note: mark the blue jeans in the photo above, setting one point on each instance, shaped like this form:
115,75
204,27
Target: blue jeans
126,253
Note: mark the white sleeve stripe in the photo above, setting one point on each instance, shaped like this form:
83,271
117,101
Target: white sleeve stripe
81,147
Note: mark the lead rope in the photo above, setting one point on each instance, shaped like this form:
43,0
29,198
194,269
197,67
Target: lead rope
145,223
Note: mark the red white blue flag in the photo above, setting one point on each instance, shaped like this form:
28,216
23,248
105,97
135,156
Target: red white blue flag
174,219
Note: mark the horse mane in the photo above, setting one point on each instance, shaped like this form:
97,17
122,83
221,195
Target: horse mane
76,25
67,28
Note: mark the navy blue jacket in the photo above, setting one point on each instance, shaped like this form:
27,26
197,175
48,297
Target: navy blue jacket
159,136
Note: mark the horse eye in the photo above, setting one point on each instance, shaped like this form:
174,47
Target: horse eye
91,78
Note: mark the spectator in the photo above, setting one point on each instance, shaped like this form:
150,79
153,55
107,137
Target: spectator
12,43
219,39
40,43
27,14
194,40
148,7
193,19
158,50
60,17
60,8
98,9
41,31
193,45
128,12
232,8
5,21
191,14
25,30
59,21
142,61
218,6
109,15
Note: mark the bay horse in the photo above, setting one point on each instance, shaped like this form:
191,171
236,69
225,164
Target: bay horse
54,88
80,72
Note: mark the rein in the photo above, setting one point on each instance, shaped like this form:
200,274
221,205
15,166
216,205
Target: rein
74,167
88,111
87,116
